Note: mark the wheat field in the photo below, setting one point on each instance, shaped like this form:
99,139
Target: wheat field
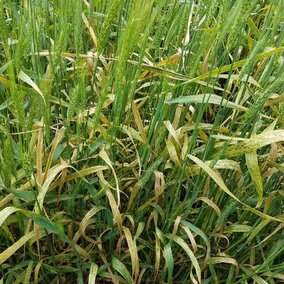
141,141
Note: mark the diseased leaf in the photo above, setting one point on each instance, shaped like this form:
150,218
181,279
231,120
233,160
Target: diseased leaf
206,99
238,229
255,142
191,255
93,273
6,212
252,164
168,255
121,268
53,172
28,273
103,154
25,78
220,182
221,259
233,66
14,247
133,252
196,230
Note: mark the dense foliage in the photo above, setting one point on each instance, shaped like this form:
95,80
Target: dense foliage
141,141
